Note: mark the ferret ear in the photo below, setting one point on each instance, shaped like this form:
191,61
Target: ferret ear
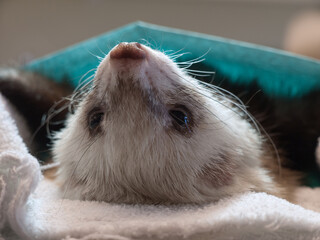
33,95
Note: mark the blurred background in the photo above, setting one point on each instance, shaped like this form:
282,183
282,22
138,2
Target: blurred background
33,28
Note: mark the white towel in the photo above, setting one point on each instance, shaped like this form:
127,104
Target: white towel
19,174
43,215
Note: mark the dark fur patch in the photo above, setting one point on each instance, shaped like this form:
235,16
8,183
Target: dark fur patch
292,123
218,173
33,96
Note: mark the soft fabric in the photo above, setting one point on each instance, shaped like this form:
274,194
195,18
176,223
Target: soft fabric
19,173
278,73
247,216
44,215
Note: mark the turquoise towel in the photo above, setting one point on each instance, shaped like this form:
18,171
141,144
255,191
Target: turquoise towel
277,72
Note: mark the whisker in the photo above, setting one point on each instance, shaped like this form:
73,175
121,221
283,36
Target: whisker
174,57
102,52
173,52
200,71
64,103
247,103
190,63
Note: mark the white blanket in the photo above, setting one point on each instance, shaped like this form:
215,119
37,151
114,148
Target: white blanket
43,215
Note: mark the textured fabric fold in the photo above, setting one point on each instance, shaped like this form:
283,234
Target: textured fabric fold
19,174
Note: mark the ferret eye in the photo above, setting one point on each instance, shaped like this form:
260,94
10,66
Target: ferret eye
95,118
181,118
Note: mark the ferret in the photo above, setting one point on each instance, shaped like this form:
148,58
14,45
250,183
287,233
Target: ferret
145,131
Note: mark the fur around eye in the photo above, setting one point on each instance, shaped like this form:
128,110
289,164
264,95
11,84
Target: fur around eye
95,119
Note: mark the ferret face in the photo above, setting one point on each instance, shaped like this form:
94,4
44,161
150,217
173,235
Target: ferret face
149,133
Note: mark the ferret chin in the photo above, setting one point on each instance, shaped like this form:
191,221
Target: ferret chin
147,132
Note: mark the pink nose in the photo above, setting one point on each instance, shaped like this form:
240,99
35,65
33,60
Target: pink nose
125,50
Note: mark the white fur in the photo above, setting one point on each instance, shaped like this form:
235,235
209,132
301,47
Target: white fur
137,160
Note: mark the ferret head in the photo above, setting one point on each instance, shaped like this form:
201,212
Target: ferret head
149,133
